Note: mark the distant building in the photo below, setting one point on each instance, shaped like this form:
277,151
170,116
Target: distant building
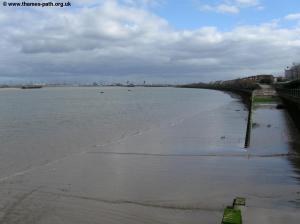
260,78
292,73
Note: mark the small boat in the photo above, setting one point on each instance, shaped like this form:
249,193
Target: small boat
101,92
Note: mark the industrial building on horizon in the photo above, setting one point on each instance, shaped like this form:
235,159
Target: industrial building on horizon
292,73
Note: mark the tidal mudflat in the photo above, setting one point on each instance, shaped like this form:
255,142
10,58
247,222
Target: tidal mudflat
149,155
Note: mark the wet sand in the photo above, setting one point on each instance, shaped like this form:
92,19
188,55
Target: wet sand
182,170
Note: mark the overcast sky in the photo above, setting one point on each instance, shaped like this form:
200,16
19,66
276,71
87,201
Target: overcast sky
154,40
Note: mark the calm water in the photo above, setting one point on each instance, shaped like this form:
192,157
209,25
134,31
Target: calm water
149,155
38,126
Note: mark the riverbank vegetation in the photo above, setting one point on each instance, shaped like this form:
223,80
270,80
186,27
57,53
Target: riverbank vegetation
234,85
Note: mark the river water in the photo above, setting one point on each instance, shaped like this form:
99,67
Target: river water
148,155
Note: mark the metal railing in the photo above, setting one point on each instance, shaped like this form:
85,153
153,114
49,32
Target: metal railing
295,93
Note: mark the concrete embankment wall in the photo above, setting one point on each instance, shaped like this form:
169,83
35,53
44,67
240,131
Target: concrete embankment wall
246,96
293,109
291,99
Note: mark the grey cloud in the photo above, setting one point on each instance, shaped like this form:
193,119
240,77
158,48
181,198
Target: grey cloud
114,40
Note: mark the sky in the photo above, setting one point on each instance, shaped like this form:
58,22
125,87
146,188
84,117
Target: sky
159,41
